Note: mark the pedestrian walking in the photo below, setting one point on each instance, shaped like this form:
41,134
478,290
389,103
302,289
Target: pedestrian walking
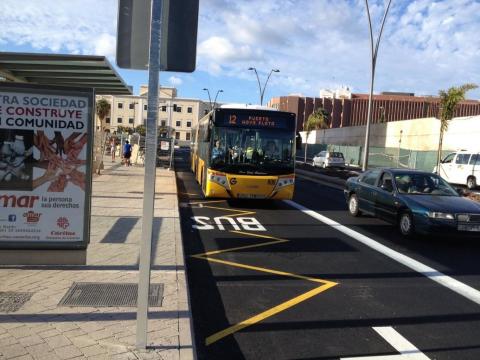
127,153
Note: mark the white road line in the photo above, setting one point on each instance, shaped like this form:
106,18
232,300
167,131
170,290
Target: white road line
407,350
435,275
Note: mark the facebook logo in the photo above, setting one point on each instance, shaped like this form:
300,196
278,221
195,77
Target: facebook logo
12,218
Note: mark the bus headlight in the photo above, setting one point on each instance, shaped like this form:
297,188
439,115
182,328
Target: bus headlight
285,181
219,178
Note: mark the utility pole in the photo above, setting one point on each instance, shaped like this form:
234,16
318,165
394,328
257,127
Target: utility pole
374,53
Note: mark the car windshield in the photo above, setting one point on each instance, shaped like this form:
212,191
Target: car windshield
252,151
423,184
336,155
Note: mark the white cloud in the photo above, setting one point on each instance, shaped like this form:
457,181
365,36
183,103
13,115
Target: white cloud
175,81
426,46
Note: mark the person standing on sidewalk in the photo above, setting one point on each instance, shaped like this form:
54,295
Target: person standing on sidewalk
113,146
127,152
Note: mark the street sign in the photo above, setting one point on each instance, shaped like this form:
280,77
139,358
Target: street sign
179,34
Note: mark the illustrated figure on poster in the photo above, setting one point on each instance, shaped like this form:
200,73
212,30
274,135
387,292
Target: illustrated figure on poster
13,155
59,142
60,170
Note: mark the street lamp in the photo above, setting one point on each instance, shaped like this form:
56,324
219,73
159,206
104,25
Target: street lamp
262,91
210,98
215,101
374,53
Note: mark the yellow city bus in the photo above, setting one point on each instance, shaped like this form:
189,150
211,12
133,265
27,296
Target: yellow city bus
245,153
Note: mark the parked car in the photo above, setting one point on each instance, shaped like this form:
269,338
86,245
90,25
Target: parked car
326,159
461,167
415,201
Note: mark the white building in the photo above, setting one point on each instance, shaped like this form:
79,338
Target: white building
178,114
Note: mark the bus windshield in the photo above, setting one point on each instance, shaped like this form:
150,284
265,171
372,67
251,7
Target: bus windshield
252,151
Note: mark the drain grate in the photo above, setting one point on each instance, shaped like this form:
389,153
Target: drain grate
109,295
11,301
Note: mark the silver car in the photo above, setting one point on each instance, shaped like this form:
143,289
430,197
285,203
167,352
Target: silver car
329,159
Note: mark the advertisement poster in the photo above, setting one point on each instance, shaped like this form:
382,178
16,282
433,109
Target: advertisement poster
45,177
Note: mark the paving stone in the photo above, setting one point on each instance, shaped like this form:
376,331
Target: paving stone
68,352
31,340
102,334
24,357
74,333
12,351
58,341
93,350
82,341
48,356
39,350
49,333
7,340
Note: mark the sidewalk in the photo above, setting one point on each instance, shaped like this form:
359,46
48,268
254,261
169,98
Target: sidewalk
41,329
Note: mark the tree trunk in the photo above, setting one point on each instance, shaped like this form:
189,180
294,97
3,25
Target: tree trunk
439,153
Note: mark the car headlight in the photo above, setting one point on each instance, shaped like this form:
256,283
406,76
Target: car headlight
440,215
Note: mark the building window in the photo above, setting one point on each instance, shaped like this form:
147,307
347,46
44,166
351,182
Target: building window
164,108
119,120
164,123
145,107
189,124
120,105
179,108
144,121
187,136
177,135
107,120
178,123
189,109
131,106
130,120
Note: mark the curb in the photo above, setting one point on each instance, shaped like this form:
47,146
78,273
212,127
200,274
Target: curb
186,339
328,180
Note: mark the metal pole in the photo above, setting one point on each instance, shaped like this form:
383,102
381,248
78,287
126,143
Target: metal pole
209,98
374,53
215,101
266,82
150,173
259,86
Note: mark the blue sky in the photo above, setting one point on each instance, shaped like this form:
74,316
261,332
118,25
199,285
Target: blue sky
427,45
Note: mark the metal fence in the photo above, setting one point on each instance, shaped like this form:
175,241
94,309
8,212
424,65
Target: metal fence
378,156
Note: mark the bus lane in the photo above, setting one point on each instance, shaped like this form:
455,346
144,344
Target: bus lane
267,281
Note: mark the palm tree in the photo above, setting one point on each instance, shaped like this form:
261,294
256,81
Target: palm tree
102,109
448,102
316,121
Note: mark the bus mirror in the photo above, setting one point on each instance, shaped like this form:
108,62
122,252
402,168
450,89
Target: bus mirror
298,142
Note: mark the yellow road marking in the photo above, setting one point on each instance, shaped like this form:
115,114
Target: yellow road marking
326,284
268,313
241,212
266,270
185,193
205,202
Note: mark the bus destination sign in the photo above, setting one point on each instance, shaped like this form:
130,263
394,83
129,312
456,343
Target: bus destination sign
257,121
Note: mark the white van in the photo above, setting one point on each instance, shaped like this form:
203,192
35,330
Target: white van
461,167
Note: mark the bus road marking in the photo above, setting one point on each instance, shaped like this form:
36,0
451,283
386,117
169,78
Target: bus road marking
406,349
325,284
429,272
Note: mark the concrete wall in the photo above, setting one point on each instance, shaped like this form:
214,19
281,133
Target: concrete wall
418,134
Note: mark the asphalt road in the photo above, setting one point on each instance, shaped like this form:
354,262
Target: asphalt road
286,285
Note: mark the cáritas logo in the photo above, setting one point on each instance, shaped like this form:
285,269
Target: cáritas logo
63,223
32,217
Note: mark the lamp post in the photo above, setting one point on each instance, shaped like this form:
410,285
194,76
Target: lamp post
262,91
374,53
210,98
215,101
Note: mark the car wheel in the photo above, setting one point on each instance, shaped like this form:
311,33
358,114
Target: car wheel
471,183
353,208
405,224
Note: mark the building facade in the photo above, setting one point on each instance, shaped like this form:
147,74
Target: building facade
386,107
174,113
